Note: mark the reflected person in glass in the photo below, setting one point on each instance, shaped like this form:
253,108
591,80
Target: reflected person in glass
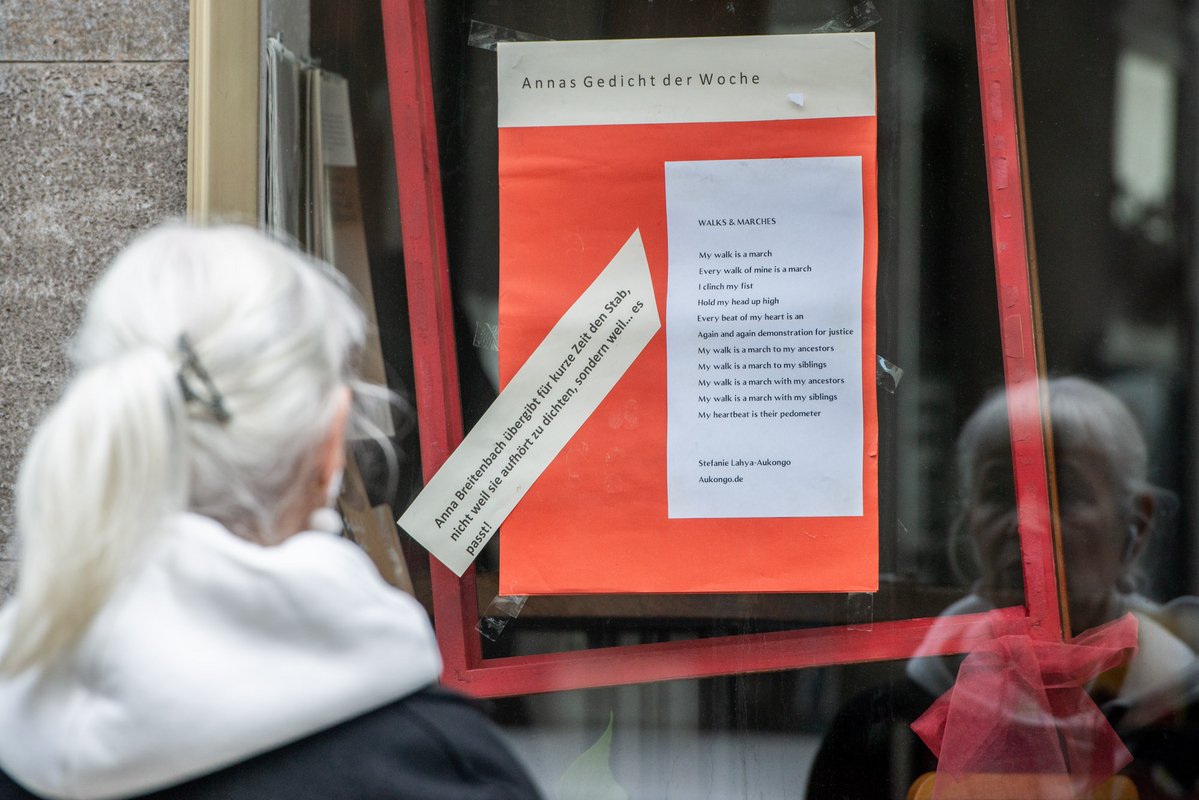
1108,513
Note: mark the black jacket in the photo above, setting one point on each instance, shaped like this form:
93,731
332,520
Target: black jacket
432,745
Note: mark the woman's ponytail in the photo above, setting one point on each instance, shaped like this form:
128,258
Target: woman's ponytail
210,361
103,468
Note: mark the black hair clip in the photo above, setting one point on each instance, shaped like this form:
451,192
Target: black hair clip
191,365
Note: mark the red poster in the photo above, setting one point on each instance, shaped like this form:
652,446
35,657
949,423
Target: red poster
599,139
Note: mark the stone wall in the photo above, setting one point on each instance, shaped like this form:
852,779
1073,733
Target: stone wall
93,148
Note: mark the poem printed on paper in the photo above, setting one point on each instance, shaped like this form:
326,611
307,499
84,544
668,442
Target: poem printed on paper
764,343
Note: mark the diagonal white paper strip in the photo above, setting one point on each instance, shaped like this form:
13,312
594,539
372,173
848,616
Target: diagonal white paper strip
537,413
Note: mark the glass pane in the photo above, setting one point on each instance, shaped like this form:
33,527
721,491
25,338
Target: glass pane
1112,188
1112,184
947,533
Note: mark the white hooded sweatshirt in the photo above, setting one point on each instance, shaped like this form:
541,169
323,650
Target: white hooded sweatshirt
215,649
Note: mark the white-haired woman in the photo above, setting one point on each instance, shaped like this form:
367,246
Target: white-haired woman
179,629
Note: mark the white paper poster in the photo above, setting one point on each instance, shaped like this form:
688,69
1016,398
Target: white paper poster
764,326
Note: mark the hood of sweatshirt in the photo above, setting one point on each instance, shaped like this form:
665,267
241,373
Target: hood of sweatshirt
213,650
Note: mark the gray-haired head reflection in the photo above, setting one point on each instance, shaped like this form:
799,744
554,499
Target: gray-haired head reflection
1107,507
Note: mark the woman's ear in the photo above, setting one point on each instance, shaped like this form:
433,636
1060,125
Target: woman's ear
332,454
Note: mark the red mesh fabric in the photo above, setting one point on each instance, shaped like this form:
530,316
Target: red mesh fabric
1018,708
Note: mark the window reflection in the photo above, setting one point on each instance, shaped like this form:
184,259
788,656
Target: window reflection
1109,512
1143,158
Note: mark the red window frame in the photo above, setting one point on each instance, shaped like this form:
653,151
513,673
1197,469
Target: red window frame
439,409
